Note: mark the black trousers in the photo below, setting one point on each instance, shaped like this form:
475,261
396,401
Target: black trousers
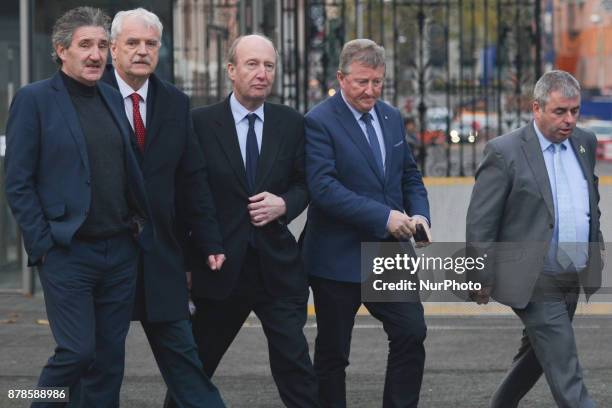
336,305
217,322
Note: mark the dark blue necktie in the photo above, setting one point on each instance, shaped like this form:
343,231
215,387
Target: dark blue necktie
373,139
252,153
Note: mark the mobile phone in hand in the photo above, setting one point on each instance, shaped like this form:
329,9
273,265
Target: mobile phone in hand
420,235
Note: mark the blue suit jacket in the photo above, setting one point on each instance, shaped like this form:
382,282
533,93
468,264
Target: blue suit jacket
351,201
47,168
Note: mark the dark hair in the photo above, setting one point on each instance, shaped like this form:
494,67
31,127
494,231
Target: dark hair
66,25
409,119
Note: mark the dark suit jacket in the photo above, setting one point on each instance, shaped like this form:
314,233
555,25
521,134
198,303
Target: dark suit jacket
351,201
47,167
179,196
280,171
512,203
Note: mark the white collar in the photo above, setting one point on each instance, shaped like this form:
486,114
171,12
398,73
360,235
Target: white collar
127,90
355,112
239,111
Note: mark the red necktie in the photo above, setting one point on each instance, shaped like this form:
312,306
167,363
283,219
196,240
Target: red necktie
139,128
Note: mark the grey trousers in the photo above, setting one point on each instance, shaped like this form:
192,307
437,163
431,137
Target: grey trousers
548,346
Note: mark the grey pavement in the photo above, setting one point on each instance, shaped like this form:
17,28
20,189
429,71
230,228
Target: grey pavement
466,358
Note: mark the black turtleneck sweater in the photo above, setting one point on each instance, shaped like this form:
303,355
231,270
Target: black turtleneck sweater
109,211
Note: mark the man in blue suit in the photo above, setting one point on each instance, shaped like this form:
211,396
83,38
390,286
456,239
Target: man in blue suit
78,196
365,187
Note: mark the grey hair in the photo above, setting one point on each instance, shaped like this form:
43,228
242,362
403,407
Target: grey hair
231,53
363,51
555,81
67,24
150,19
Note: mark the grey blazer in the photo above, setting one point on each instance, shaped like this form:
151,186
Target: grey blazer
512,205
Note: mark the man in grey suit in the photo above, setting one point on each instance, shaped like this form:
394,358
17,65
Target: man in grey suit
536,185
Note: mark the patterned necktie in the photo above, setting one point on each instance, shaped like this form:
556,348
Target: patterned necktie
566,249
252,153
139,128
373,140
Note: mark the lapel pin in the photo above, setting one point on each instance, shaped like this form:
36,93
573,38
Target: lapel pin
582,149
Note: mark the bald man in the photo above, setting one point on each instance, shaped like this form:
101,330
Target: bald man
254,151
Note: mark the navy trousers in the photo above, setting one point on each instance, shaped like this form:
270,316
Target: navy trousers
176,354
89,292
336,304
177,357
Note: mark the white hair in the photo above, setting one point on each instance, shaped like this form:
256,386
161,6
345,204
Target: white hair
150,20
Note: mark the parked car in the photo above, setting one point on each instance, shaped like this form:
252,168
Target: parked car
603,132
601,128
436,126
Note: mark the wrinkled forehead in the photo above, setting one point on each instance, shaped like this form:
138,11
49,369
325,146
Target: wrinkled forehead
90,33
255,48
557,100
133,25
358,69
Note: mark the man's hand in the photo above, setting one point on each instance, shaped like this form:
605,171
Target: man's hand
215,262
481,296
266,207
400,225
421,221
188,276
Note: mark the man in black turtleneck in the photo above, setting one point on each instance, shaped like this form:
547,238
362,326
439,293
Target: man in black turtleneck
109,211
75,188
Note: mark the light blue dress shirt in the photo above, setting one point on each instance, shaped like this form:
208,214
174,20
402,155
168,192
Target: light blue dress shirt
381,141
375,124
239,113
580,202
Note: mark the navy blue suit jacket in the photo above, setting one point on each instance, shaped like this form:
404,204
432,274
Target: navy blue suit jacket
47,168
351,201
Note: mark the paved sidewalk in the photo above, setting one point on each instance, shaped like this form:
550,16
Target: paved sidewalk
467,357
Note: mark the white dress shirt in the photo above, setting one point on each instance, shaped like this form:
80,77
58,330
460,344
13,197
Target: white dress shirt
240,113
126,91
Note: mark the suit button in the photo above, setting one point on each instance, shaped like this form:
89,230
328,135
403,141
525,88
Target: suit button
88,182
551,226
